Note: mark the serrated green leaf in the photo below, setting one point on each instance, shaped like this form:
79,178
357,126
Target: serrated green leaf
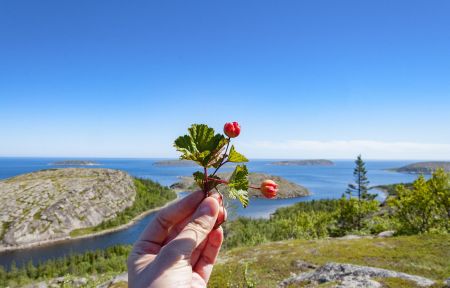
235,156
241,195
201,145
239,178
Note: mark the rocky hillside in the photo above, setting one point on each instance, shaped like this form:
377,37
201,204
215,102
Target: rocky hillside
423,167
286,188
47,205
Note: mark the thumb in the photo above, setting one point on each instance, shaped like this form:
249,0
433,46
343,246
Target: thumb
195,232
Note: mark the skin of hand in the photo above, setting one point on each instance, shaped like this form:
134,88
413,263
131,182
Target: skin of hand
179,247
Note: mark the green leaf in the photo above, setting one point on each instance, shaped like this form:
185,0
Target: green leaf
239,178
238,184
201,145
235,156
241,195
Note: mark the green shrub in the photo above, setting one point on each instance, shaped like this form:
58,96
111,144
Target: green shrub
425,207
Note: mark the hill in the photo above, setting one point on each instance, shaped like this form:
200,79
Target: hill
308,162
57,204
423,167
286,188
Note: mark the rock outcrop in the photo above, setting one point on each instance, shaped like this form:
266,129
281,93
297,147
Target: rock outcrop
286,188
47,205
348,275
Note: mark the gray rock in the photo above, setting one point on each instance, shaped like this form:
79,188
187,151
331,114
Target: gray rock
47,205
447,282
303,265
350,237
37,285
386,234
119,278
348,275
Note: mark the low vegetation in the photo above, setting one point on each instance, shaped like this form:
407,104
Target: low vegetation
149,195
267,264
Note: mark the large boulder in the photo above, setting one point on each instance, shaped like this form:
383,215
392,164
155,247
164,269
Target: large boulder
47,205
348,275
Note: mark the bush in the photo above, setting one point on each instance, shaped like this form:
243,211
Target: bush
425,207
352,215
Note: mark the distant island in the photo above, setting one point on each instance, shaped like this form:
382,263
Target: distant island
286,188
423,167
307,162
175,163
75,163
391,189
182,163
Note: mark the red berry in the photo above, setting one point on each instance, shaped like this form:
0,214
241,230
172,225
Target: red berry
269,188
232,129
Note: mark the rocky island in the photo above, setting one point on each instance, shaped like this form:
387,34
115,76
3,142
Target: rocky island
75,163
307,162
47,205
423,167
182,163
286,188
175,163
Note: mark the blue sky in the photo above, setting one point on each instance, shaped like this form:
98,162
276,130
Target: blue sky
305,79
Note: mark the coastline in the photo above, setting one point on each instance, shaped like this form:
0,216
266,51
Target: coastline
92,235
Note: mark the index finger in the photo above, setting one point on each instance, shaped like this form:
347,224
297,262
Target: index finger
158,229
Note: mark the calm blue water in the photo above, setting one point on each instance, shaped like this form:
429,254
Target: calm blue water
323,182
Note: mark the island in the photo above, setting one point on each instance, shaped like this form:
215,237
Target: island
183,163
74,163
59,204
306,162
286,188
423,167
391,189
175,163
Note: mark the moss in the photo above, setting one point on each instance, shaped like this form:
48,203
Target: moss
5,228
37,215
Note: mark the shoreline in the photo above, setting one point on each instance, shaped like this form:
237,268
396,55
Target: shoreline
92,235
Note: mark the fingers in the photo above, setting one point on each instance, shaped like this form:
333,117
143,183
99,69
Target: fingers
194,233
208,257
176,229
156,231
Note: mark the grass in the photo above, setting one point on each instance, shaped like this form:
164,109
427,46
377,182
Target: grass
268,264
148,195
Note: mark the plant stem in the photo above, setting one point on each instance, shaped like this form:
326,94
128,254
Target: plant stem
226,182
224,156
205,182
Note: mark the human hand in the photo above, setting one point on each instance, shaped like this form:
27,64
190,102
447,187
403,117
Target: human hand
179,246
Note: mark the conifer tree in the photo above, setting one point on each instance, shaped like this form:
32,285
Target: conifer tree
360,188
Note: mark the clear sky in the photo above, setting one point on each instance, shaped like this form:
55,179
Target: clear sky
305,79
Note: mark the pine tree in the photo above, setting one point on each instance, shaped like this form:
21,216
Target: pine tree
360,189
361,186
